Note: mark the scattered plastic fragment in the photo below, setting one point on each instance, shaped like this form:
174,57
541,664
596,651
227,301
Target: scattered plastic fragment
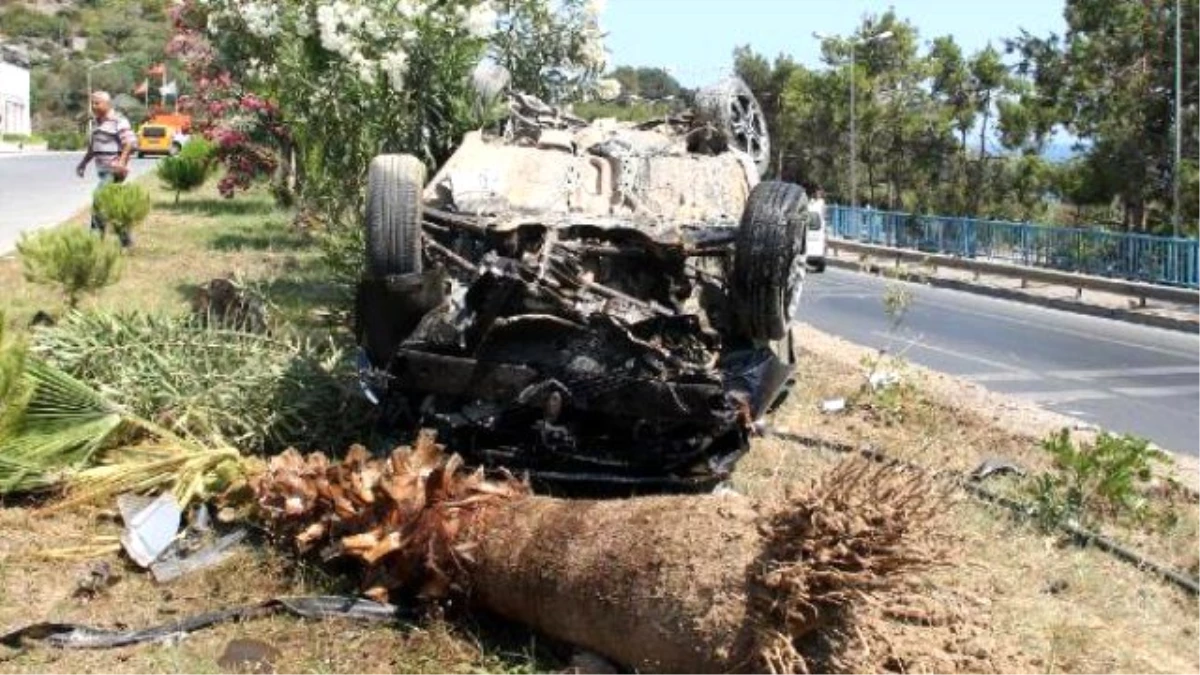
883,379
174,563
995,466
833,405
149,527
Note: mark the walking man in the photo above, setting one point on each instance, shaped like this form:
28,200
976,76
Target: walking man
110,145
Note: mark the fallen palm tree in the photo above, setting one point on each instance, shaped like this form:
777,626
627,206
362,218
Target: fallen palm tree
678,583
104,403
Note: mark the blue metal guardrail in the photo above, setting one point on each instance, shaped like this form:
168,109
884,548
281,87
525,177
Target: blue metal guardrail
1169,261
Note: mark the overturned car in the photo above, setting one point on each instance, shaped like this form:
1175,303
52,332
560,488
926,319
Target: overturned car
597,304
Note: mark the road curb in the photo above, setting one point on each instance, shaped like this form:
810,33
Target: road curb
1125,315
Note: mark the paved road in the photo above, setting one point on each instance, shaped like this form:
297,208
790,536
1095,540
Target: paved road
39,190
1120,376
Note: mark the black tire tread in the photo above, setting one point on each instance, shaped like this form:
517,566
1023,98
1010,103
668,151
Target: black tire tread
769,237
712,106
393,237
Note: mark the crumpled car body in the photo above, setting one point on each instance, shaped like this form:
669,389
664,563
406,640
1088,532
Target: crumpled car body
598,305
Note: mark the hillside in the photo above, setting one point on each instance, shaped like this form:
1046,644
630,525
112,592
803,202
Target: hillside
64,37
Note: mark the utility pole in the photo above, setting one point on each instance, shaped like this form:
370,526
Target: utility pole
89,87
1175,217
853,136
854,42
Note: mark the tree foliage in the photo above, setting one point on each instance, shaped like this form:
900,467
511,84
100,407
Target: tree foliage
123,206
134,30
73,259
189,169
943,131
653,84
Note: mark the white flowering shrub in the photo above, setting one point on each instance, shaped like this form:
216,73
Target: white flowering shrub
608,89
345,80
555,51
355,78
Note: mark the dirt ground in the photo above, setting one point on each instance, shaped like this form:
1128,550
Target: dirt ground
1011,600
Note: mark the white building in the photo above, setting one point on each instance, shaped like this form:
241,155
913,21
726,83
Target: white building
14,92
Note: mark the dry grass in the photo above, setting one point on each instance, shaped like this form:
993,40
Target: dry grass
178,248
1016,600
181,246
32,589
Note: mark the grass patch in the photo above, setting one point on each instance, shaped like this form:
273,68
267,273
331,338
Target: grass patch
181,246
1018,599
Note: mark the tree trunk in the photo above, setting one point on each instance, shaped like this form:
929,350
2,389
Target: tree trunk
666,584
977,197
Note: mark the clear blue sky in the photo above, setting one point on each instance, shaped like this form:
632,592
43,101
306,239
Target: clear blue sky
695,38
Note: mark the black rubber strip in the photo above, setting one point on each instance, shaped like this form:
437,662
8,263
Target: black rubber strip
75,636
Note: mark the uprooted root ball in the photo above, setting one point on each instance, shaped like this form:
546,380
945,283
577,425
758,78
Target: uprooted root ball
678,583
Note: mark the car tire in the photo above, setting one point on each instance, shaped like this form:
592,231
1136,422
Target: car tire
817,265
175,149
394,185
768,262
731,107
141,155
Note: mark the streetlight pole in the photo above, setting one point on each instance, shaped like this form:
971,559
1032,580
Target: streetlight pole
1178,116
89,69
853,134
854,42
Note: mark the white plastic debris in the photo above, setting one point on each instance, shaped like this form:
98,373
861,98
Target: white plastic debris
883,379
149,527
833,405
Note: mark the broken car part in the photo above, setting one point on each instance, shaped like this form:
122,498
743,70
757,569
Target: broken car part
75,636
594,303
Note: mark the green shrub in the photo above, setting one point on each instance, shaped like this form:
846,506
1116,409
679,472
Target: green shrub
65,140
1104,478
123,206
29,23
189,169
76,260
12,387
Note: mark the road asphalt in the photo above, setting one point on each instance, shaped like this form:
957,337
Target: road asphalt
41,189
1119,376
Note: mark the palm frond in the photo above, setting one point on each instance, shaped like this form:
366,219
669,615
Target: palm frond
260,393
59,425
13,391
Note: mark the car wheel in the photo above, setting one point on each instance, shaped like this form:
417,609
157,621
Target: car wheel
768,263
141,155
175,149
730,106
394,184
818,265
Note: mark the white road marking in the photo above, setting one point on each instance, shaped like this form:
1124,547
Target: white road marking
1003,377
1156,392
1080,334
1062,396
1000,365
1094,335
1105,373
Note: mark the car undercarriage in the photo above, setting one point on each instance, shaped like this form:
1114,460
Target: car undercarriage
599,307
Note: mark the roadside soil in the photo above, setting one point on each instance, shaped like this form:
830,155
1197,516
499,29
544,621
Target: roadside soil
1014,598
1010,598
